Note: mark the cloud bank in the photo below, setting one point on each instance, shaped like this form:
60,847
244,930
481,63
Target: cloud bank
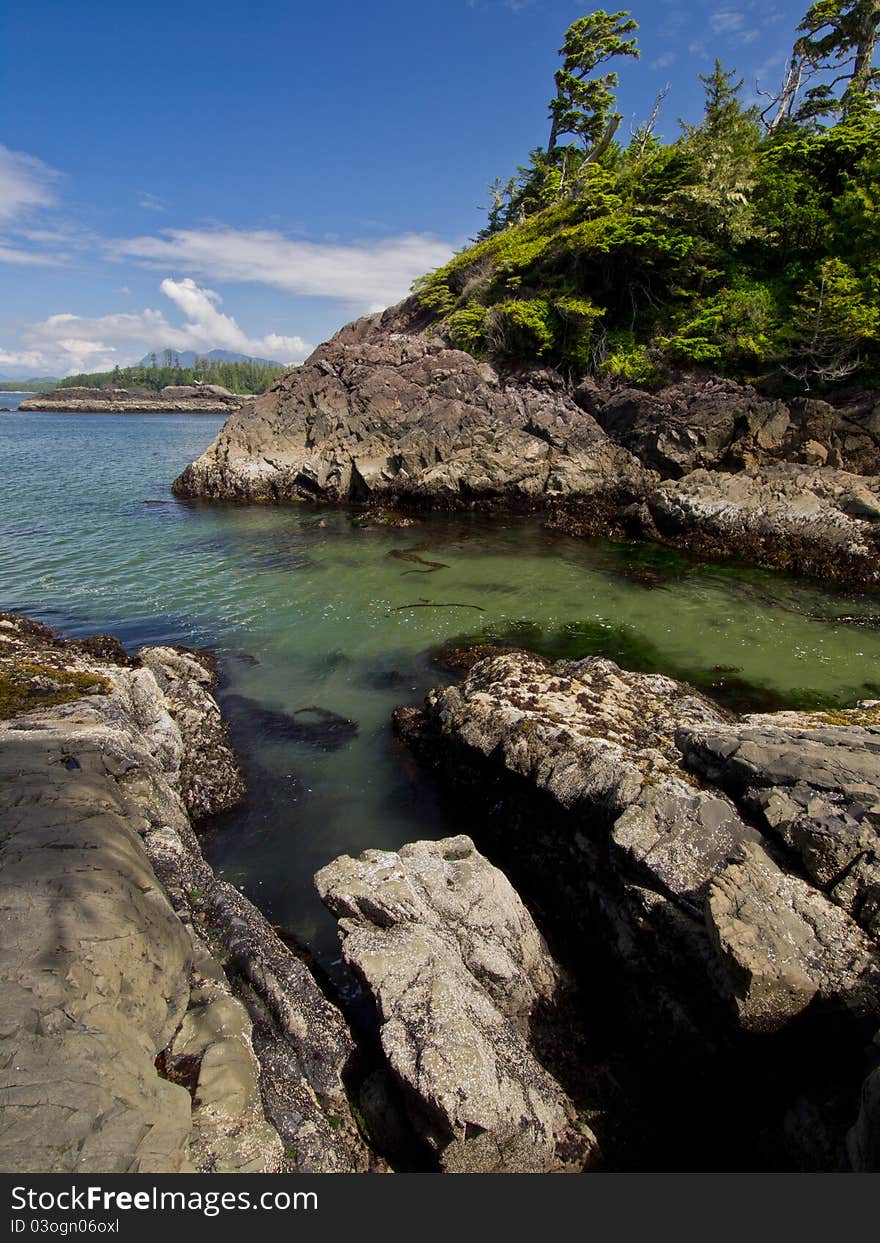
369,275
65,344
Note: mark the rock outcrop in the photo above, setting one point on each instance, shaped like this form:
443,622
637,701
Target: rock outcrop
457,971
717,873
183,399
818,521
813,781
151,1019
387,413
718,424
406,419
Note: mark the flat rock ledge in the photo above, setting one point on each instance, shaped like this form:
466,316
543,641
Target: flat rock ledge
457,971
388,414
720,872
174,399
150,1019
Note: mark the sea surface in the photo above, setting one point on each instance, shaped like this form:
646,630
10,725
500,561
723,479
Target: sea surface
309,610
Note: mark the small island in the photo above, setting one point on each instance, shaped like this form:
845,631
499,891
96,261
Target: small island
172,399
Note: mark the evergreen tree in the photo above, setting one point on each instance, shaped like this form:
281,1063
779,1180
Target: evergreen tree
840,37
724,146
583,103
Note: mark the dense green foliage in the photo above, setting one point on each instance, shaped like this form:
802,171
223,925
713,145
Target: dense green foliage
34,384
751,248
238,377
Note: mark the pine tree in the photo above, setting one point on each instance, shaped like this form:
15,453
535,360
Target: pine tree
840,37
583,103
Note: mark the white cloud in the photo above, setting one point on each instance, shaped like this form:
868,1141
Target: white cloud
724,20
151,202
65,343
25,183
20,360
369,274
34,258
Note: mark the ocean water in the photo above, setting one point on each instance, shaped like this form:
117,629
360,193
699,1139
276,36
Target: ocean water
323,621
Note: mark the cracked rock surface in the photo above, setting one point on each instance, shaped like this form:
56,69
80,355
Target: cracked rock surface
721,869
456,968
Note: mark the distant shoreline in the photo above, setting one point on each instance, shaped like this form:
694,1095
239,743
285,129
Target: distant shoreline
179,400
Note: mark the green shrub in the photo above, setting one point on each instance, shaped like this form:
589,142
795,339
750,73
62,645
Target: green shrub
467,328
521,329
628,360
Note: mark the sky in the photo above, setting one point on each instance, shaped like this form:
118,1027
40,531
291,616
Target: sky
199,175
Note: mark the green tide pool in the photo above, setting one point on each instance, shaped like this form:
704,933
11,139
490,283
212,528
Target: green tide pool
333,624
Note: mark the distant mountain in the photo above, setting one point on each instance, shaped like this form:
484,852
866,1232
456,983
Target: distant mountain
187,358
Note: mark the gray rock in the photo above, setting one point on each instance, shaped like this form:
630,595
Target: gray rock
813,779
595,737
809,520
393,417
210,776
387,413
784,945
661,851
456,967
124,1045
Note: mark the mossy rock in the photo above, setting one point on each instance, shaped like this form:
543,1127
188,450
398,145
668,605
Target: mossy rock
29,686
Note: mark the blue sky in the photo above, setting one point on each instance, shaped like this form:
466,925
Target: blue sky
250,177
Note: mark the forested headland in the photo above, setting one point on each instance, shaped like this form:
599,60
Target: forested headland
748,245
249,376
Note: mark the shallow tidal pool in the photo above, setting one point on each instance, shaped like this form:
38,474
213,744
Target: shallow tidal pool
309,610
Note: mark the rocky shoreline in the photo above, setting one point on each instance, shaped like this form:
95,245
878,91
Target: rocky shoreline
152,1020
179,399
669,912
388,414
712,882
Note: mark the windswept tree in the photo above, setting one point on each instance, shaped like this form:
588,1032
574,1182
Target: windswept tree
584,101
836,44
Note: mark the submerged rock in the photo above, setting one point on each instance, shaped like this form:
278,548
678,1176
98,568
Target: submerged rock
316,727
457,968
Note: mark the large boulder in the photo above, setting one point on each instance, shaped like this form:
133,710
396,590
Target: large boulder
457,969
385,416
